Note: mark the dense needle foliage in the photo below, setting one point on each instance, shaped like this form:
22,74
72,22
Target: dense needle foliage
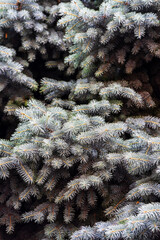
82,161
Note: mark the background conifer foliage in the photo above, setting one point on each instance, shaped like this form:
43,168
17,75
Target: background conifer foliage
80,120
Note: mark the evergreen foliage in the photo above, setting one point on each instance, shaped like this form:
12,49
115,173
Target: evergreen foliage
15,81
11,71
33,22
136,215
26,27
114,41
84,163
121,34
67,152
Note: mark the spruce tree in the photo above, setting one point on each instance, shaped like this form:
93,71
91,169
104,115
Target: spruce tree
83,161
63,152
114,41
